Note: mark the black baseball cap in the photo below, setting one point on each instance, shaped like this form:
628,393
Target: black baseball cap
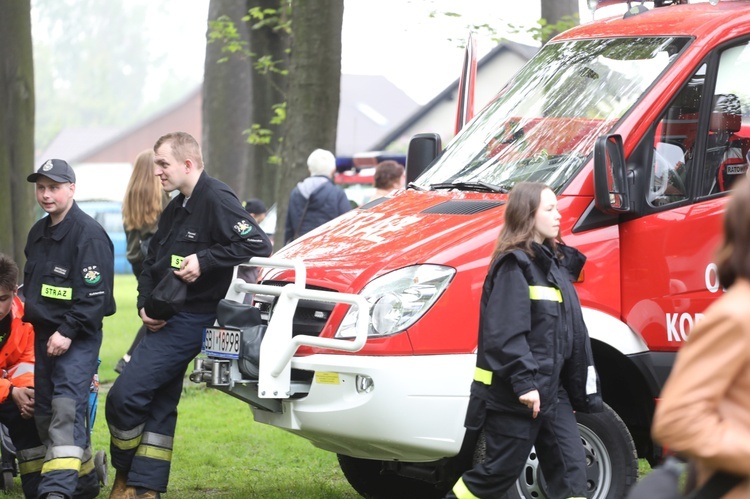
54,169
255,206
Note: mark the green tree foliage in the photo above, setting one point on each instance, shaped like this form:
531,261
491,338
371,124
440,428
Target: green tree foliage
557,16
227,105
313,95
16,126
247,48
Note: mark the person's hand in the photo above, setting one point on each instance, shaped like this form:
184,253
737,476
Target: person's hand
151,324
24,399
531,400
190,270
57,344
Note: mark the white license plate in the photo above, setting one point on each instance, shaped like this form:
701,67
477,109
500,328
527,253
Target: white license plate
221,342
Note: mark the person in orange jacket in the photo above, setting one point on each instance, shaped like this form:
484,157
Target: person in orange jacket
17,382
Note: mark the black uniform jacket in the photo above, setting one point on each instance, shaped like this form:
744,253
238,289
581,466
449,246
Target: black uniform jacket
69,275
532,335
214,226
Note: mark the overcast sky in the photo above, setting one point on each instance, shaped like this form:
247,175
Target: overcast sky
399,39
410,42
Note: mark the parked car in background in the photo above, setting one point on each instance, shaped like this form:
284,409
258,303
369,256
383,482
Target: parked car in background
109,215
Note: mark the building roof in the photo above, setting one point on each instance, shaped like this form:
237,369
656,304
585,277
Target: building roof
373,112
72,143
524,51
371,106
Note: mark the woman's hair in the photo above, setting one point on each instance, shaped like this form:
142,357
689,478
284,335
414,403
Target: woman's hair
388,173
143,200
520,219
733,256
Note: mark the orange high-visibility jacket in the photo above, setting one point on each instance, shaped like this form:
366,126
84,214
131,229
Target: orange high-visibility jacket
17,354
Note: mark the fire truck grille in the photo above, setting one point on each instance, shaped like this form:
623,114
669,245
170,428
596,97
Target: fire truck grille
310,316
462,207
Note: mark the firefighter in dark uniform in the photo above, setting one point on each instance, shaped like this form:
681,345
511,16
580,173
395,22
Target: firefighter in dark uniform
68,281
203,233
534,359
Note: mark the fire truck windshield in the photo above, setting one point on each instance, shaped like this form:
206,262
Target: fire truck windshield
543,124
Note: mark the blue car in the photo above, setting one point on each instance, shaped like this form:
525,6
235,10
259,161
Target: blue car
109,215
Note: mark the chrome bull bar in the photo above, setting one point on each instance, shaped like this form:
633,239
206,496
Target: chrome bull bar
279,345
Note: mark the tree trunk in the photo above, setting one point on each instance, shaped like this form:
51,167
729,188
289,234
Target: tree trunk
227,105
16,127
267,90
314,92
554,10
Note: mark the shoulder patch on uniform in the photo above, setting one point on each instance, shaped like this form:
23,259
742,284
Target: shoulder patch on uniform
243,228
91,275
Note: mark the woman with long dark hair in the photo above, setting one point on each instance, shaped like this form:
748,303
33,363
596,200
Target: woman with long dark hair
534,359
141,208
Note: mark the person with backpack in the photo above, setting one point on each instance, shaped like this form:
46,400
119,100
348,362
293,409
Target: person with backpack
316,200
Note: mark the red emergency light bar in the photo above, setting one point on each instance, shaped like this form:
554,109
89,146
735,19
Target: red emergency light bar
598,4
366,160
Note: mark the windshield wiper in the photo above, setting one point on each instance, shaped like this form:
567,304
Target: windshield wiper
412,185
471,186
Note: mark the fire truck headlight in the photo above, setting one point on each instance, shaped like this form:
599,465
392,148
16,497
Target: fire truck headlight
398,299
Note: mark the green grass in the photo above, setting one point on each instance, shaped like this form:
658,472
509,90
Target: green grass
219,451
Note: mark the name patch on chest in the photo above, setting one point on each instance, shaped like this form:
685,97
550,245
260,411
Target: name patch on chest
57,292
61,271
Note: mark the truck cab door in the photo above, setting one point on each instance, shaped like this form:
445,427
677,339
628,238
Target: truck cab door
683,172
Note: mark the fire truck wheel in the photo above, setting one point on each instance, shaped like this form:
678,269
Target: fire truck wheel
610,455
364,475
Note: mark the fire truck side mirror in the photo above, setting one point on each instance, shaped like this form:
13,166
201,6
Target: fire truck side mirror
423,149
610,175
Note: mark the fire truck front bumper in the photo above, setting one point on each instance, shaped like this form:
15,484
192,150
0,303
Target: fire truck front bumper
409,408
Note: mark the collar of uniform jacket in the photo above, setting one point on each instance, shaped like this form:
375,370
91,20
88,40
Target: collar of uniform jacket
63,227
543,256
197,193
573,260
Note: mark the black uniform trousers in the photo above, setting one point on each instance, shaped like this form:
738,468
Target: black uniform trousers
29,449
141,406
510,437
62,387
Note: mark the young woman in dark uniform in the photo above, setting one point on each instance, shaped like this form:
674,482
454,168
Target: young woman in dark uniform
534,361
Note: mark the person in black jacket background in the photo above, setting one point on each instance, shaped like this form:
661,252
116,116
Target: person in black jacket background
202,234
534,357
316,200
68,283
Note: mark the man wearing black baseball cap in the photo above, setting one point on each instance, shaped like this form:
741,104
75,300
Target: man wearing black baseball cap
55,169
68,280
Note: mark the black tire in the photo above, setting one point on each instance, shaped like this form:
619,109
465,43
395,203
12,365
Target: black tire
364,475
610,454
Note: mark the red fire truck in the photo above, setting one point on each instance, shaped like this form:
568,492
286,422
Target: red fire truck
639,125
